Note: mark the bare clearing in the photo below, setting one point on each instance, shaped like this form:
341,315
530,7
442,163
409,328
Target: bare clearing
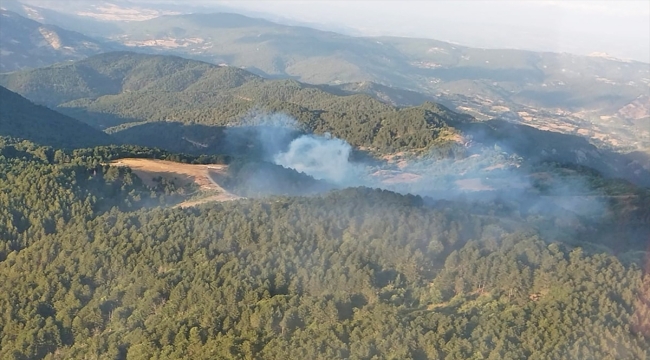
50,37
396,177
181,174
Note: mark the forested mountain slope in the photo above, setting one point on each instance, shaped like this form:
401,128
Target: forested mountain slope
419,64
586,95
601,98
357,273
23,119
118,90
189,106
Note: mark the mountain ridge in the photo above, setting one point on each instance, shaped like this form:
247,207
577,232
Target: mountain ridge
581,95
576,94
201,102
25,43
20,118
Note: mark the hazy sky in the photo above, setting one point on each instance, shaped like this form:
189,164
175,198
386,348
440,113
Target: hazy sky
620,28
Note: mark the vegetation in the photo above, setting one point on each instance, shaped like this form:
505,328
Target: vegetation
20,118
259,179
193,107
424,65
95,263
88,268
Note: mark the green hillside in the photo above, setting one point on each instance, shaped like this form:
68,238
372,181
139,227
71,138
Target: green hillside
159,207
593,94
92,266
106,74
119,91
190,106
22,119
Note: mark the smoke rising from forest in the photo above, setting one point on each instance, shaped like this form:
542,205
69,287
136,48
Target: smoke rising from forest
483,174
491,177
323,158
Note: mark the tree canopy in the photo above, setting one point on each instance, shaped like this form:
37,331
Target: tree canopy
94,264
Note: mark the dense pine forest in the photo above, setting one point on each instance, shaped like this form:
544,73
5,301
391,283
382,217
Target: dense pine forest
96,264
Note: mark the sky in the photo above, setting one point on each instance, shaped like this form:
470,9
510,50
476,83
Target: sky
618,28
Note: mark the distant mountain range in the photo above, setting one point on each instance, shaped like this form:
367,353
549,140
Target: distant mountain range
80,16
190,106
313,56
26,43
600,98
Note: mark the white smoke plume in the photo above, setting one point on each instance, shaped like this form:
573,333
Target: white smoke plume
323,158
491,172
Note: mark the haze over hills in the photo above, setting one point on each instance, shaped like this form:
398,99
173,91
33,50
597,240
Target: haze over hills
586,27
26,43
94,18
583,95
130,94
600,98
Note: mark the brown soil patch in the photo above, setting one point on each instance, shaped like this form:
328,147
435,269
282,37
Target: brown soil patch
457,138
181,174
638,109
396,177
147,169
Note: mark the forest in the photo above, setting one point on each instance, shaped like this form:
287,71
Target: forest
188,106
96,264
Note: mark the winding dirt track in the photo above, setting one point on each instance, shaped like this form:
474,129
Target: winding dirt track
182,174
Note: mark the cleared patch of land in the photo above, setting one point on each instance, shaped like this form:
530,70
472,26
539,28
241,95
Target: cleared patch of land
396,177
181,174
